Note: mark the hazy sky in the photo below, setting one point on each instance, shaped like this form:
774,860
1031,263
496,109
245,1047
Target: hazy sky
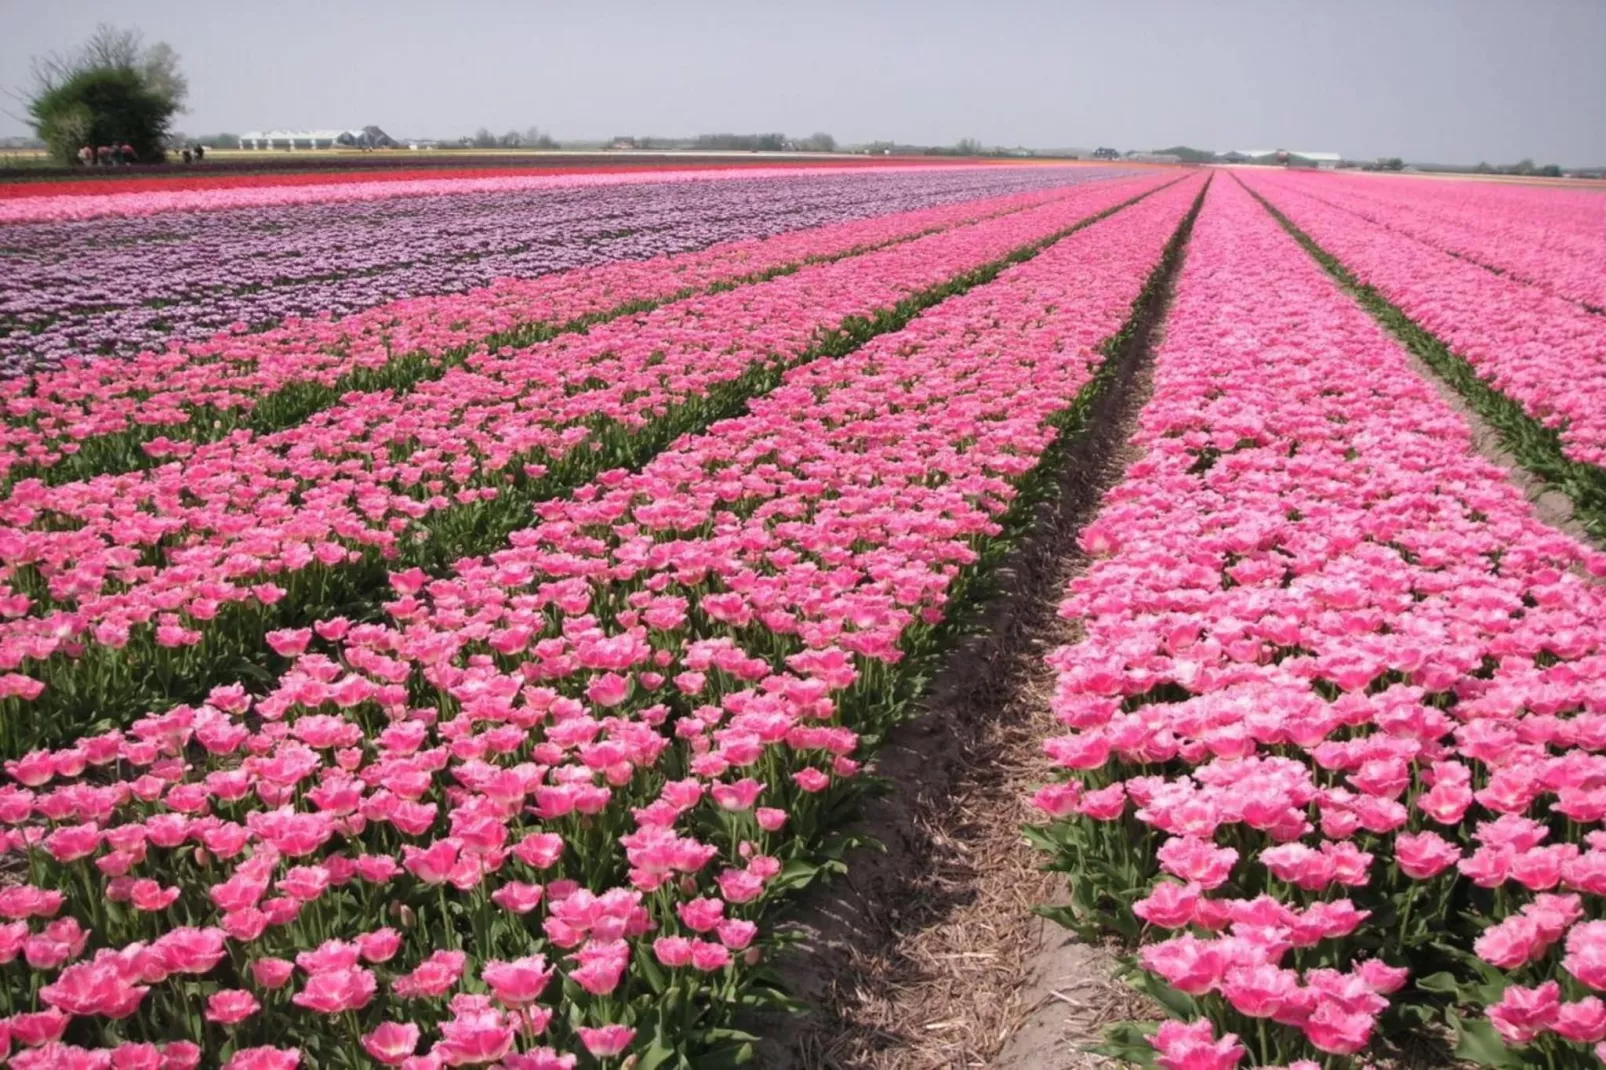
1440,80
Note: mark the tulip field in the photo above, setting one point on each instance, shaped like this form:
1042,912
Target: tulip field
451,621
1331,729
114,272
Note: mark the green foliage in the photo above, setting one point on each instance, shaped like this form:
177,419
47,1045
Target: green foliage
1477,1042
103,106
741,142
112,91
1128,1042
968,146
1523,167
819,141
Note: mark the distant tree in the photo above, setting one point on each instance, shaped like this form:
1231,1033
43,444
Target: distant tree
740,142
818,142
1392,163
1483,168
967,146
483,139
1524,166
159,63
510,140
535,138
1550,170
113,89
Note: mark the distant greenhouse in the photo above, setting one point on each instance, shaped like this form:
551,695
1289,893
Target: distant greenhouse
1325,161
367,137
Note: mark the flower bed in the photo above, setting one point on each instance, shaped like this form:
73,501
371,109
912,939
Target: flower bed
1544,352
1552,238
125,282
124,589
1330,735
97,416
208,194
240,171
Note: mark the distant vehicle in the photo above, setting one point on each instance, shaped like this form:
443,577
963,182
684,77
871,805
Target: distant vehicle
1102,153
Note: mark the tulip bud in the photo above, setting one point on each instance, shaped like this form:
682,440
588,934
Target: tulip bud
403,915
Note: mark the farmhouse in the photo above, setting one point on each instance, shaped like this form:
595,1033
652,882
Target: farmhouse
367,137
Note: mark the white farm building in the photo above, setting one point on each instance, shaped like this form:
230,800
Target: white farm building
366,137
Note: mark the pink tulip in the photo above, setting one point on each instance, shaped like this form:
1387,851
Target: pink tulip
606,1041
231,1006
335,991
518,982
271,973
264,1058
474,1037
1194,1047
391,1042
1524,1013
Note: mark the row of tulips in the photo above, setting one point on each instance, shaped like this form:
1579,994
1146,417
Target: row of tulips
211,197
122,588
97,416
337,170
117,286
540,819
1553,238
1331,736
1546,353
